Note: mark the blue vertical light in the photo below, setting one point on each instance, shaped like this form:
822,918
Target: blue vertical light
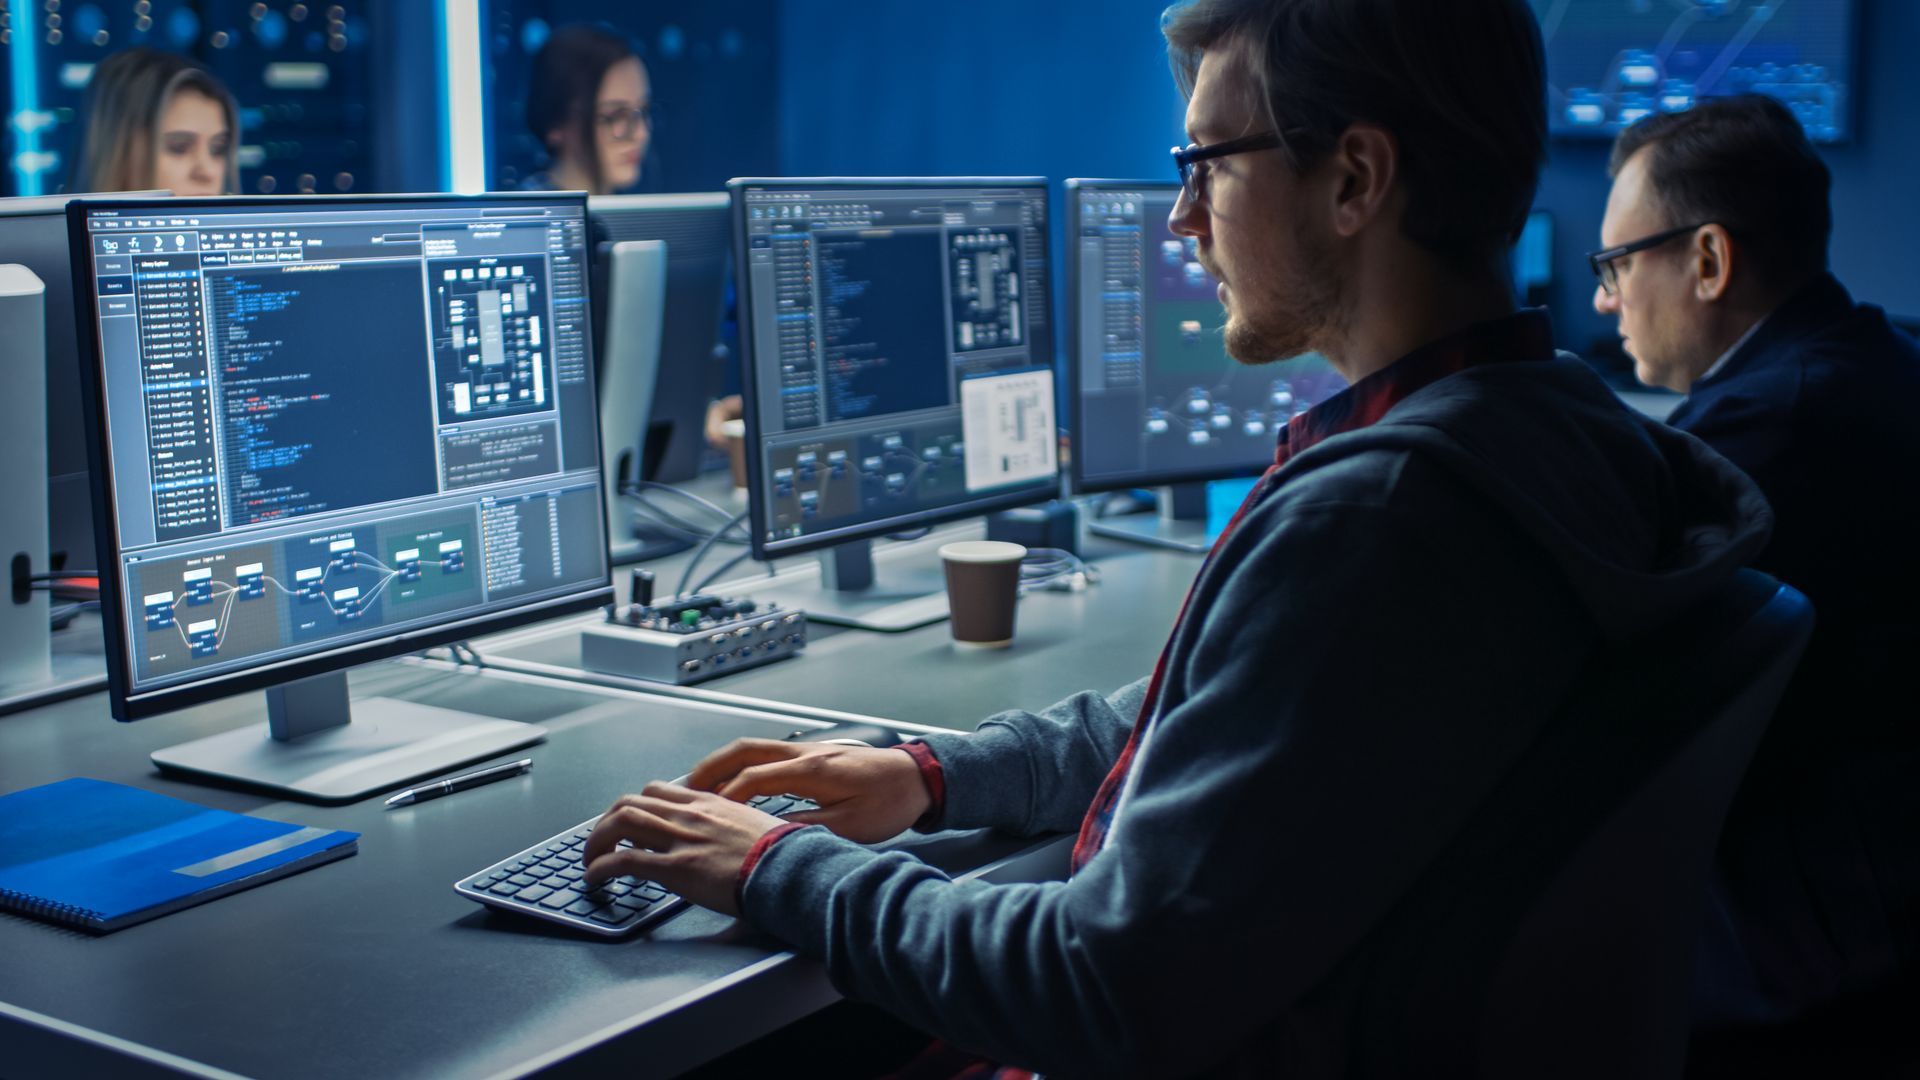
442,109
26,101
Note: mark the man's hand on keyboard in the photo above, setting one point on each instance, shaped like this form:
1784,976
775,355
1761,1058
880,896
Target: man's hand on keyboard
692,842
864,794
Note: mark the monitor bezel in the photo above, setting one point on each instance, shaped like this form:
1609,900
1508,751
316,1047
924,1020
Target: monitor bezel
127,705
1076,412
762,548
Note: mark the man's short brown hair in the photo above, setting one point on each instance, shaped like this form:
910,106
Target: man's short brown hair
1461,85
1744,163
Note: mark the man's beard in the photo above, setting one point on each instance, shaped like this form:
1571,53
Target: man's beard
1300,304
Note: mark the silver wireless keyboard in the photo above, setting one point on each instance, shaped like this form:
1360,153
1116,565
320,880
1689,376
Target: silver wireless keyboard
545,881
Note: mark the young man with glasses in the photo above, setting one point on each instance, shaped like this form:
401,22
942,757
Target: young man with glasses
1402,606
1716,267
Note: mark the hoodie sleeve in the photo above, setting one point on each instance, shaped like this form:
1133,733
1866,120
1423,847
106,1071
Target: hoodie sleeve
1033,773
1340,726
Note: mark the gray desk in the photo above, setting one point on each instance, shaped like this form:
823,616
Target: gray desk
1101,638
373,966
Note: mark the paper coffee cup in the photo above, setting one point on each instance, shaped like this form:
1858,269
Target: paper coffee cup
983,591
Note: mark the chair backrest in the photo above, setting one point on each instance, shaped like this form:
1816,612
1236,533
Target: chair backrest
1556,937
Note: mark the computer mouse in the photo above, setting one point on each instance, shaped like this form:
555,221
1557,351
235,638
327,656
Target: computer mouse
850,735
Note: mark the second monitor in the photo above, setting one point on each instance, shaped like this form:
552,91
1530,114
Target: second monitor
899,372
1157,400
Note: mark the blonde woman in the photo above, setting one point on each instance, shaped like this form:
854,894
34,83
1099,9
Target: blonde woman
156,120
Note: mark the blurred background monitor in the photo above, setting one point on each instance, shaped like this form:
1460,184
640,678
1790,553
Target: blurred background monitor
1612,62
1533,259
692,359
33,233
1156,399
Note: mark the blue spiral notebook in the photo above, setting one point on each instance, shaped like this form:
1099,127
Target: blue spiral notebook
102,856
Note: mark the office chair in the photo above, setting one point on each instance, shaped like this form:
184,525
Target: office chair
1556,936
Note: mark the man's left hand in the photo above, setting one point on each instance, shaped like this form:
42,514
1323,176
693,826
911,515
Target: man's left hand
693,842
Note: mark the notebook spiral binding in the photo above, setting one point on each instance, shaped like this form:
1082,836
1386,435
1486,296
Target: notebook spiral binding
48,909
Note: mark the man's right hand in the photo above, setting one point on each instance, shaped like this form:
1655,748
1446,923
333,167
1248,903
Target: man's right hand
866,795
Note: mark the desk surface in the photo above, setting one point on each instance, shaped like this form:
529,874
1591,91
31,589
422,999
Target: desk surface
373,965
1100,639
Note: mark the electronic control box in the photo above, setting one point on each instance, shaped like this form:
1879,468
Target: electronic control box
692,639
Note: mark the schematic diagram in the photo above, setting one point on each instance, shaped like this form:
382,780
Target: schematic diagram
984,267
492,338
255,598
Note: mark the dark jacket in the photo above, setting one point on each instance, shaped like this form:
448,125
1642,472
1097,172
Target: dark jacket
1820,866
1365,658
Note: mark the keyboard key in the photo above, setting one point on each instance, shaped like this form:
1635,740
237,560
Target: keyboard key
776,805
532,894
523,880
515,866
504,888
634,902
582,907
651,891
612,917
617,887
559,899
573,873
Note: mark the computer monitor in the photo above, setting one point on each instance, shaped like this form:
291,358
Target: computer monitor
33,233
899,372
327,430
1156,399
636,291
1611,63
692,360
1532,259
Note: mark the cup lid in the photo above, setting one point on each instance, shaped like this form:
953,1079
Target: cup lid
982,551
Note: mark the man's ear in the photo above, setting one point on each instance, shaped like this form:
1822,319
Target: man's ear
1365,163
1713,258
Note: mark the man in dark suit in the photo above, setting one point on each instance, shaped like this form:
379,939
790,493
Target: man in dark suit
1716,266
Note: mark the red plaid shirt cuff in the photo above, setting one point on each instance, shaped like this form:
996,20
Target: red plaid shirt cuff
935,778
754,854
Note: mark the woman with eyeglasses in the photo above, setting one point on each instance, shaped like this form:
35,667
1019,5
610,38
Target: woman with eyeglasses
156,120
589,102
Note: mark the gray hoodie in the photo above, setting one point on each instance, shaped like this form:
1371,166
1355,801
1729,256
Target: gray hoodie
1362,661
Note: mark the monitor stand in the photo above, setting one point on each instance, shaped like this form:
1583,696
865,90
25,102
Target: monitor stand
1180,525
317,746
905,591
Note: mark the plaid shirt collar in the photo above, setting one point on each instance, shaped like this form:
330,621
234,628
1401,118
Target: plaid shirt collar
1524,335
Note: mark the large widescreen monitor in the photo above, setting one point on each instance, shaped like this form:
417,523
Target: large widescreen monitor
325,431
899,366
1156,399
1612,62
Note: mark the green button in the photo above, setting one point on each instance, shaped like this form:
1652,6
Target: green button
690,618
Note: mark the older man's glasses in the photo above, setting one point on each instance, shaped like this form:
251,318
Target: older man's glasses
1602,262
1194,161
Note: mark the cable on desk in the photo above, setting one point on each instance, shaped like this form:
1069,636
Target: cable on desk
722,570
686,576
639,487
1055,568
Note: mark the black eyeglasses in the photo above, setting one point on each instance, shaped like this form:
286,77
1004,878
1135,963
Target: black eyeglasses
625,123
1192,160
1601,261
